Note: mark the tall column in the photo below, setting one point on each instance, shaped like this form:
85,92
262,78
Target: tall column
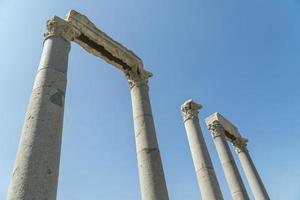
207,180
152,180
232,175
258,189
35,173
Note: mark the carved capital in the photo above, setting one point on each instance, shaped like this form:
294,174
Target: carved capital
137,77
189,110
216,129
240,145
58,26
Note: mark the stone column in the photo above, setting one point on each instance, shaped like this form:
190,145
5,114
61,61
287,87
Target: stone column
35,173
152,180
232,175
256,184
207,180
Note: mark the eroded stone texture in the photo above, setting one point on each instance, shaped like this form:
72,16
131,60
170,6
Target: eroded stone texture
232,135
232,175
101,45
36,169
35,174
152,180
257,187
207,180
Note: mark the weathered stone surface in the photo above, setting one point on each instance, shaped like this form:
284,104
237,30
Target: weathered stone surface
207,180
58,26
98,43
35,174
152,180
240,144
230,130
36,170
232,175
257,187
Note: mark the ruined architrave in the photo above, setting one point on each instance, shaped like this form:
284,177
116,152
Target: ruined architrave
232,135
219,127
35,174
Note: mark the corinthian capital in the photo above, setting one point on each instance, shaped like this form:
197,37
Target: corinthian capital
216,129
137,77
189,109
58,26
240,144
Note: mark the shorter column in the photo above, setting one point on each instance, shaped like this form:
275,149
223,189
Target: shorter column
232,175
256,184
207,180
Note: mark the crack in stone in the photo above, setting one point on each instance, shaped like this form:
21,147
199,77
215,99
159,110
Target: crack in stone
143,115
140,131
148,150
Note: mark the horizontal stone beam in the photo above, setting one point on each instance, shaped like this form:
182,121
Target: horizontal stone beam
231,132
101,45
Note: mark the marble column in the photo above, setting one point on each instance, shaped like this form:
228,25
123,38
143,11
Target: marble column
207,179
256,184
35,173
152,180
232,175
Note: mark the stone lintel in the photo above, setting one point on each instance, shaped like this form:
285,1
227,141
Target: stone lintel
231,132
101,45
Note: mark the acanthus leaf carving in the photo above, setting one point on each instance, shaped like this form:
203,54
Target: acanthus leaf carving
240,144
58,26
216,129
136,77
189,110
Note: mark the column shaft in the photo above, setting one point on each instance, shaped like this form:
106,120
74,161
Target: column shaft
152,180
232,175
258,189
207,180
35,173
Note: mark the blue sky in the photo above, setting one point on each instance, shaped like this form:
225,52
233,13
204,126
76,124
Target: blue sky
240,58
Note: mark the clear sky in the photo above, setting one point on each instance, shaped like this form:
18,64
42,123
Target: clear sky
240,58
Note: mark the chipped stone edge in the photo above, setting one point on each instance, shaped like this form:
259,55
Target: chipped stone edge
86,27
227,125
